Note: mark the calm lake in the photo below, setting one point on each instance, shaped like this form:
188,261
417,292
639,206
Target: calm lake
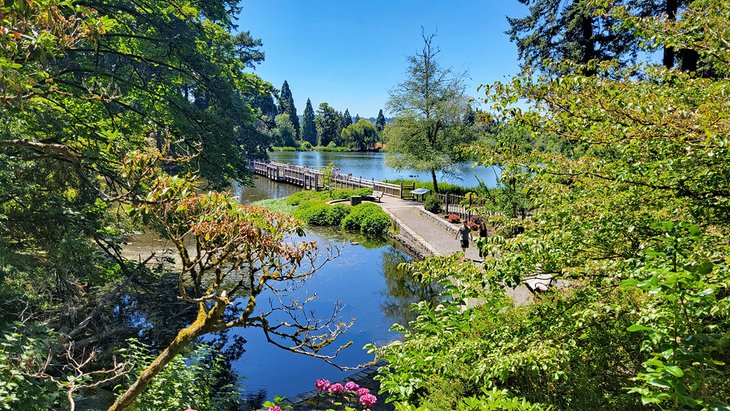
372,165
365,280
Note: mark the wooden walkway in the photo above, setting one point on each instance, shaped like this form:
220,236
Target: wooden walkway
312,179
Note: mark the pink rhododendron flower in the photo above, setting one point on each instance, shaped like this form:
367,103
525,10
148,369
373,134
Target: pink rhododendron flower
275,408
351,386
336,387
322,384
363,391
368,400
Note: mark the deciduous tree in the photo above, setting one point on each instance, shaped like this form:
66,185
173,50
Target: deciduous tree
429,107
328,123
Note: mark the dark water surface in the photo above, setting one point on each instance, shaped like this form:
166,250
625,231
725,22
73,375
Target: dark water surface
372,165
365,280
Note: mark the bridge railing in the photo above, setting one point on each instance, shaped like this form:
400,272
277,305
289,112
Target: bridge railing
310,178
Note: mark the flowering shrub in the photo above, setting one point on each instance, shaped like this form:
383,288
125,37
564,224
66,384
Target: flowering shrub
348,396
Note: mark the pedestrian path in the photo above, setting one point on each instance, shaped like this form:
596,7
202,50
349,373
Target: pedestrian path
437,235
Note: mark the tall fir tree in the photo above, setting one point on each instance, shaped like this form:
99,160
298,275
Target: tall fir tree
309,128
346,119
286,106
380,121
357,118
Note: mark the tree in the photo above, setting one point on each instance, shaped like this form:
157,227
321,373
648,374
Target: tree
360,136
357,118
286,106
81,86
346,118
309,128
328,125
284,133
556,30
380,121
239,251
428,107
630,206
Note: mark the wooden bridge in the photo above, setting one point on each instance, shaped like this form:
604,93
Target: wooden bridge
312,179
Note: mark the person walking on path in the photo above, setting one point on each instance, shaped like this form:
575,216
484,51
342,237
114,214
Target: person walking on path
464,234
483,233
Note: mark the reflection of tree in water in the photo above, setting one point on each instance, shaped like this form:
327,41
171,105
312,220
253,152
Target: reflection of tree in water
403,290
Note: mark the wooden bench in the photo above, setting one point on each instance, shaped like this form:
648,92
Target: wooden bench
377,195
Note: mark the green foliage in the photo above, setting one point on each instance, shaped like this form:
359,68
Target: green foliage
328,124
433,204
22,366
687,353
380,121
443,187
188,381
497,400
279,205
312,208
286,106
309,128
429,107
360,136
558,351
623,198
346,119
314,213
284,134
583,34
367,218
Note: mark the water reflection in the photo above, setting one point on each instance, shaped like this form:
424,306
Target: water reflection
358,281
402,290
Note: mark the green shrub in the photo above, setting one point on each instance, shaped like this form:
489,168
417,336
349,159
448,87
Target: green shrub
314,213
341,194
367,218
337,213
375,223
433,204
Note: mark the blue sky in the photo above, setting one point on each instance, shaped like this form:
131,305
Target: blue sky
351,53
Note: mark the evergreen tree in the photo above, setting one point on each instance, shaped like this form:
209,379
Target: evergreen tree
380,121
346,119
309,128
286,106
557,30
357,118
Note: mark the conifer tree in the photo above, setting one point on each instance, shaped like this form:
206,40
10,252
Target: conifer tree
286,106
346,119
380,121
309,129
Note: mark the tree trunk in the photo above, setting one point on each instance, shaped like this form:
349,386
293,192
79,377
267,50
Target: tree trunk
669,53
183,338
435,183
